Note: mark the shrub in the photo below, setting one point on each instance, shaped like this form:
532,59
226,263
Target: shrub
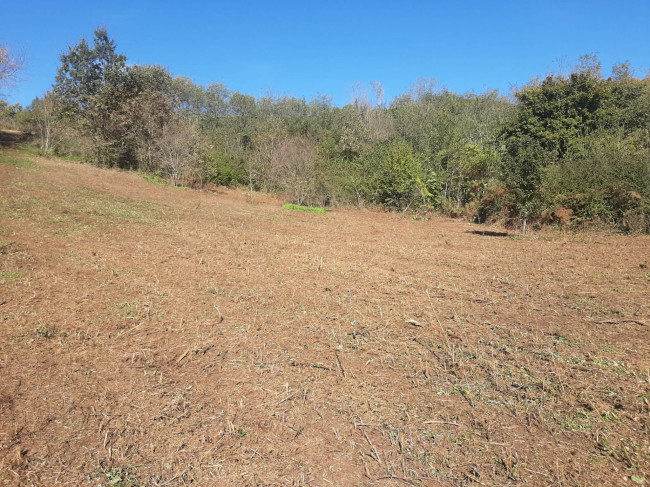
223,170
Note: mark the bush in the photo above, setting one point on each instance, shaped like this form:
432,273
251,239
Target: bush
400,178
498,202
222,170
606,178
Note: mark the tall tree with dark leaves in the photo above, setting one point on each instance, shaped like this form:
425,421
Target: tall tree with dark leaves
94,84
85,70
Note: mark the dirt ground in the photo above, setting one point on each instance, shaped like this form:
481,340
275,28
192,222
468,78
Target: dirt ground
152,335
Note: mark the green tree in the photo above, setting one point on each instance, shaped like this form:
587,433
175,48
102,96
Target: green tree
85,71
399,181
93,85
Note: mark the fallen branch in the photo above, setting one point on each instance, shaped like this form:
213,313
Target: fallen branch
373,449
618,322
413,322
178,360
338,360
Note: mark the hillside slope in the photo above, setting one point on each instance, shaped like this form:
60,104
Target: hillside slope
151,335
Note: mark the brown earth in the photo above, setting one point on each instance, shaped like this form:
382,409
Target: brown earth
152,335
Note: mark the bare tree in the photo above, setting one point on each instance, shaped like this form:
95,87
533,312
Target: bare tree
424,89
179,152
360,97
44,112
294,167
378,89
10,65
265,147
375,121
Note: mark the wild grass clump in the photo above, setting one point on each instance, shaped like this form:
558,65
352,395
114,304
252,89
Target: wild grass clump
308,209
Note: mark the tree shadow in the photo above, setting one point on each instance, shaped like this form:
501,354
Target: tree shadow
488,233
12,138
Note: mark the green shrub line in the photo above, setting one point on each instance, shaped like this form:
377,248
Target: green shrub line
568,150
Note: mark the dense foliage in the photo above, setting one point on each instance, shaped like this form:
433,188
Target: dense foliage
570,149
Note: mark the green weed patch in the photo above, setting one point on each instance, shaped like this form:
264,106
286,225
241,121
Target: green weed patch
307,209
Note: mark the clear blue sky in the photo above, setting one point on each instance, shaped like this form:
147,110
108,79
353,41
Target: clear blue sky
306,47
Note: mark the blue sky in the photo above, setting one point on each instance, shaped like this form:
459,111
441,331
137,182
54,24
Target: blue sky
305,48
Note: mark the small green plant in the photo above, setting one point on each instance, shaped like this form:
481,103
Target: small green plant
241,432
45,331
561,339
318,365
610,416
308,209
9,276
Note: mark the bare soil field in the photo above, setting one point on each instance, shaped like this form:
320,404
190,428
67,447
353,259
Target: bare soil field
152,335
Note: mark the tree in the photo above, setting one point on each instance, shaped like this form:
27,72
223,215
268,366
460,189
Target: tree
399,180
93,85
10,65
44,113
148,110
378,90
86,70
9,112
179,150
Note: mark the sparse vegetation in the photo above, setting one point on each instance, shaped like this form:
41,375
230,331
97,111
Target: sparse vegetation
156,336
407,347
8,276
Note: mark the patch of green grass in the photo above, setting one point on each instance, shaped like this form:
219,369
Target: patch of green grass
307,209
95,203
80,209
70,158
8,276
25,207
610,416
29,149
578,422
19,162
155,178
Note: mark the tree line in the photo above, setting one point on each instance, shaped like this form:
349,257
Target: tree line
569,149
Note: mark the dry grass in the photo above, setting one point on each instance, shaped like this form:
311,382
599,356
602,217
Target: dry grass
157,336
